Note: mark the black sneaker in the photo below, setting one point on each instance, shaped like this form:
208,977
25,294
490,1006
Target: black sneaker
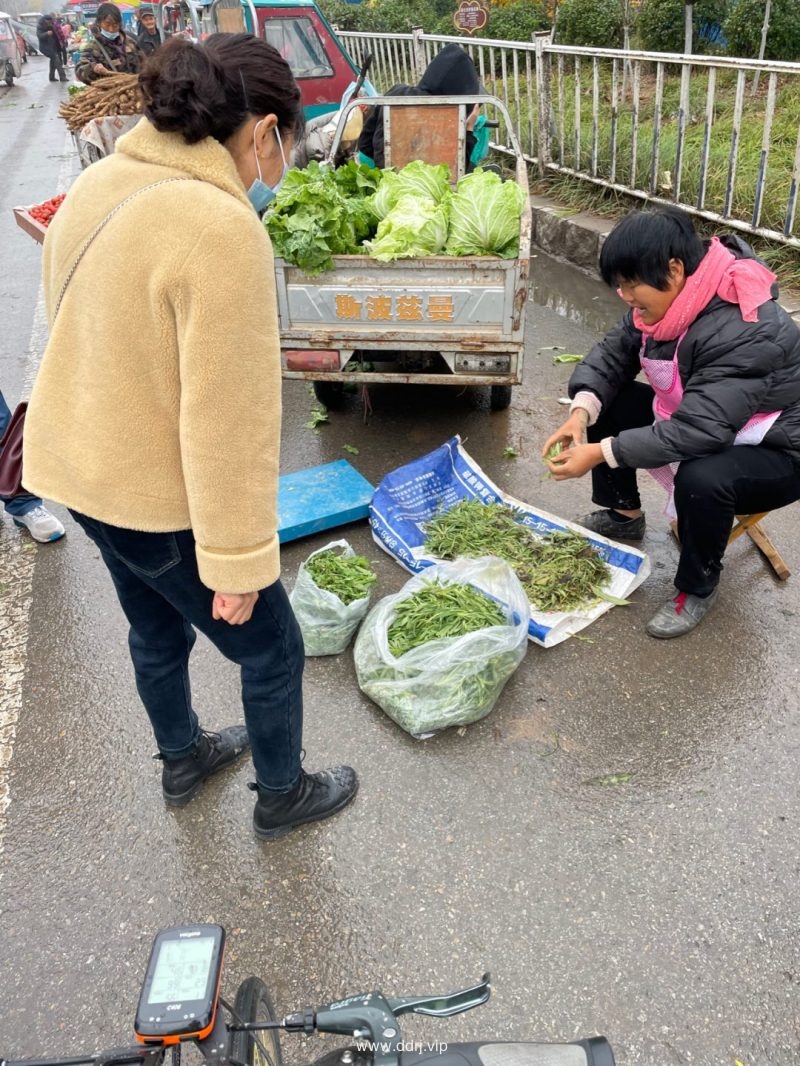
314,797
604,523
182,778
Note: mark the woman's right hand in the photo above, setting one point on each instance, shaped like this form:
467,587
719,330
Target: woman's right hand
235,608
100,70
573,431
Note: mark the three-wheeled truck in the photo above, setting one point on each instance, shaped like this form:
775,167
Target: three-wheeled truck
440,320
10,51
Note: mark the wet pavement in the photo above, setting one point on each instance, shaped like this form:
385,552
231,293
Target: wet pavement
661,911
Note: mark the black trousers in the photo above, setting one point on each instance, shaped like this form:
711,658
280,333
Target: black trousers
709,492
56,67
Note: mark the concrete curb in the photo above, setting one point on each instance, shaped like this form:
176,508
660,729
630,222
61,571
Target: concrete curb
577,237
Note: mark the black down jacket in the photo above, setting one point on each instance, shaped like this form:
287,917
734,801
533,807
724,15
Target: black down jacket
730,371
450,73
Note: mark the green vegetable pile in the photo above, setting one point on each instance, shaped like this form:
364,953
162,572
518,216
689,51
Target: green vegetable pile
350,577
559,571
438,653
415,226
320,212
440,610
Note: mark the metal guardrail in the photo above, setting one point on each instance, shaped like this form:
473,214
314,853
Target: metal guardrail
703,132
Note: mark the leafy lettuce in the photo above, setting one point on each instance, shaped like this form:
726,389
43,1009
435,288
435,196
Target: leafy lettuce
485,216
320,212
416,226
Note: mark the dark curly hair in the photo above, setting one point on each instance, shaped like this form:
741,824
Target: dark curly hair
210,89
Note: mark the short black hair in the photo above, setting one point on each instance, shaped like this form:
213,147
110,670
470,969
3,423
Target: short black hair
640,247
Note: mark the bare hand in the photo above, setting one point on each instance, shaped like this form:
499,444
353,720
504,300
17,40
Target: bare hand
98,68
576,461
573,431
233,607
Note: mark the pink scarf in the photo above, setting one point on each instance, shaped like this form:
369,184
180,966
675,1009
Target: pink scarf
745,282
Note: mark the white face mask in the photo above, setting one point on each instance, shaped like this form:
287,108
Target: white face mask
260,194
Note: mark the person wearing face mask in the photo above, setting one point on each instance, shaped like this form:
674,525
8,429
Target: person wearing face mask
110,50
163,441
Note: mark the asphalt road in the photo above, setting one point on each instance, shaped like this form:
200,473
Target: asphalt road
661,911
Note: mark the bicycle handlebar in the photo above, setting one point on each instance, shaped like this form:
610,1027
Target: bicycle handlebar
371,1020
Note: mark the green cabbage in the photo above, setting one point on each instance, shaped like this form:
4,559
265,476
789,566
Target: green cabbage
485,216
415,179
416,226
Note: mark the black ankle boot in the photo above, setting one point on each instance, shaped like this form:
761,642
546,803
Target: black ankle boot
182,778
314,797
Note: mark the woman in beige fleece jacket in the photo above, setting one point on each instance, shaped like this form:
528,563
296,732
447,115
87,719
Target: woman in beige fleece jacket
162,436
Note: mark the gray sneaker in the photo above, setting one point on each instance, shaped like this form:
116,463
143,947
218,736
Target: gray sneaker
41,525
680,615
603,523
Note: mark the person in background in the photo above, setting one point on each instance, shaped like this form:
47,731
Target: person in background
50,46
164,441
28,511
717,421
450,73
149,38
110,51
63,32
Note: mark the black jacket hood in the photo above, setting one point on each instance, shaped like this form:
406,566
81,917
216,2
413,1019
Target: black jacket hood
451,73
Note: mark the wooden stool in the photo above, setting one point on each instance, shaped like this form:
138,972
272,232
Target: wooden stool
750,524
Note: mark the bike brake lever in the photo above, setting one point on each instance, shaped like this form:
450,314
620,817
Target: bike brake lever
447,1005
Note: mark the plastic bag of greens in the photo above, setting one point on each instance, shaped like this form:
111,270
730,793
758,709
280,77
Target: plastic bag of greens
447,680
331,596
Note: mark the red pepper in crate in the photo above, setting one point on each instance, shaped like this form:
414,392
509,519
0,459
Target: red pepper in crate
43,213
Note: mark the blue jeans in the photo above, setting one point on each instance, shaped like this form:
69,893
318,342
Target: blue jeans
164,600
23,501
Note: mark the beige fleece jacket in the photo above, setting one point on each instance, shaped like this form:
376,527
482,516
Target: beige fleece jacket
157,405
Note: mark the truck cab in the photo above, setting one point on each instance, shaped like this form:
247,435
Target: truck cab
302,35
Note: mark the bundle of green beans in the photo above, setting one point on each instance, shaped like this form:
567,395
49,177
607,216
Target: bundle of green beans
559,571
440,610
349,577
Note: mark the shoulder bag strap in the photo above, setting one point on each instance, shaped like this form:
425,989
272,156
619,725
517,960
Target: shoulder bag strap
101,226
103,49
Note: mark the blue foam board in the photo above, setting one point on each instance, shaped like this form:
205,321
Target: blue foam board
319,498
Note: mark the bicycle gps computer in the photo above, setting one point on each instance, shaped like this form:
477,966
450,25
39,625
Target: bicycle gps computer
181,985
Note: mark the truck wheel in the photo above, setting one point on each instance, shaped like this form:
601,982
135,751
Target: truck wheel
499,397
9,75
330,394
